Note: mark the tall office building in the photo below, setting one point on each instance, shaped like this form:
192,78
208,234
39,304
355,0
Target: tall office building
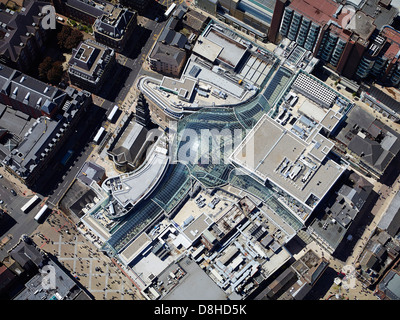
142,113
90,65
381,60
114,28
336,34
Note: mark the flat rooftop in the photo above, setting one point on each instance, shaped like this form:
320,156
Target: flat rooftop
195,285
135,248
207,48
384,17
362,24
197,227
318,11
207,75
131,188
232,51
183,88
277,155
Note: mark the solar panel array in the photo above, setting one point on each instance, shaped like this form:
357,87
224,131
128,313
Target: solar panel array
314,90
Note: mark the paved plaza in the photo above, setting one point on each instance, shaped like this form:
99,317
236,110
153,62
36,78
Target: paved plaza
95,271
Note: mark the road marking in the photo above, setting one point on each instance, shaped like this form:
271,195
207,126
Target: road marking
75,252
59,245
90,273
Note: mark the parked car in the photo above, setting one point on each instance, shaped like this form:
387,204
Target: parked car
13,192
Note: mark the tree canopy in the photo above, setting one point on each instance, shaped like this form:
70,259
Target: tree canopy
69,38
50,71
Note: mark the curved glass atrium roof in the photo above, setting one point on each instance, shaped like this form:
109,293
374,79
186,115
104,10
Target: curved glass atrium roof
191,164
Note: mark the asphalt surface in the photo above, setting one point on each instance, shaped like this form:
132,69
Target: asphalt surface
129,63
15,222
56,181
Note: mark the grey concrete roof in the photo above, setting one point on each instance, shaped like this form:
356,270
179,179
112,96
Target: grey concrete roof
232,52
115,25
268,145
66,288
18,25
383,17
16,125
89,59
91,172
390,221
195,285
362,24
332,234
168,54
89,7
28,90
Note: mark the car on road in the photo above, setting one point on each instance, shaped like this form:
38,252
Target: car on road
1,176
13,192
1,201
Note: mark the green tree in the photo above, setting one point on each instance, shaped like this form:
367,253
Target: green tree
55,74
44,67
69,38
63,35
73,40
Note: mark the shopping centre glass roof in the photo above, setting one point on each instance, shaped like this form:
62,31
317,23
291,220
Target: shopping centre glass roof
183,172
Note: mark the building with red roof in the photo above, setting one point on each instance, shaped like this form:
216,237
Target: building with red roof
382,58
335,33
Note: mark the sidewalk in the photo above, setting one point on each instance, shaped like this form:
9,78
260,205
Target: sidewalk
378,211
18,186
127,106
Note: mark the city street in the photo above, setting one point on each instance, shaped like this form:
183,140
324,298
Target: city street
129,64
15,223
55,182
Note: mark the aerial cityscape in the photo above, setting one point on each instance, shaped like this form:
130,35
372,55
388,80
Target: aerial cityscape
158,150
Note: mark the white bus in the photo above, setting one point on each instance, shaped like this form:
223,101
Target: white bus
41,212
98,135
169,10
112,113
30,203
